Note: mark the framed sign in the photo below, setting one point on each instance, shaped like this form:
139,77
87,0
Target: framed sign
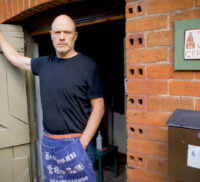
187,45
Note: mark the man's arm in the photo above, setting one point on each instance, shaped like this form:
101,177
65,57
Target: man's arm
13,56
93,121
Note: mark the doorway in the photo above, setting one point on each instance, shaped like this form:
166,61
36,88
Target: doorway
104,42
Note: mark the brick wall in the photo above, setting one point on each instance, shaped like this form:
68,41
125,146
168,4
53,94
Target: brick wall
14,10
11,8
154,89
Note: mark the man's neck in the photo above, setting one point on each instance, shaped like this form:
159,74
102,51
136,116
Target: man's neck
67,55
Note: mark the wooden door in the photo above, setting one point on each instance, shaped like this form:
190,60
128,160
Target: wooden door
14,124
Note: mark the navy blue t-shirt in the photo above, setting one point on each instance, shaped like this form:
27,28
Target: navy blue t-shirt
66,87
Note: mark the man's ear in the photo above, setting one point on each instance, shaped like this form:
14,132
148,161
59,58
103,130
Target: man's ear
76,36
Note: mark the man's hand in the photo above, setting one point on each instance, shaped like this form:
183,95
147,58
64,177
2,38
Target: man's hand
84,144
13,56
93,121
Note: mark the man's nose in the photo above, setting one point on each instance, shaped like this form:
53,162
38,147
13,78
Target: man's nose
62,35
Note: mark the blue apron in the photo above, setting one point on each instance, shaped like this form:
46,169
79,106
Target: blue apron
65,160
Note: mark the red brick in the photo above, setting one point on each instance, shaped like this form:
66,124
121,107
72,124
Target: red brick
10,4
134,41
148,118
149,133
147,87
25,5
146,55
136,160
192,14
157,164
160,38
33,3
143,175
5,10
171,55
147,147
146,23
166,71
197,3
8,10
135,9
155,6
197,104
15,7
20,6
1,10
18,3
197,75
136,102
135,71
185,88
169,103
43,1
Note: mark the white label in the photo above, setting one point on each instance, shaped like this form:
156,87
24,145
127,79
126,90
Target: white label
193,156
192,44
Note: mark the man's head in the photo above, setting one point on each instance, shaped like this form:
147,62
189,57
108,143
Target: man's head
63,35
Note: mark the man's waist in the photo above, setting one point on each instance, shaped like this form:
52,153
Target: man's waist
61,136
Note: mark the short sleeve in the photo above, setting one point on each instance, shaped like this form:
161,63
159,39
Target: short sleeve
37,63
35,66
95,85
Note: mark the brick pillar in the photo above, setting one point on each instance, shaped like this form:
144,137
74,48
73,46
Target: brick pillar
154,89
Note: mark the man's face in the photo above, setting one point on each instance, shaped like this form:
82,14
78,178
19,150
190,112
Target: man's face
63,36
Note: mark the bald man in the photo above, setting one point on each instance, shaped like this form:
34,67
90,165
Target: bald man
72,103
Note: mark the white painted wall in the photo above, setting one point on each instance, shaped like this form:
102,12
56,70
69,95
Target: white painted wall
119,132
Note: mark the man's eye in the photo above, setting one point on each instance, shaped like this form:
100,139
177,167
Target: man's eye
64,32
67,33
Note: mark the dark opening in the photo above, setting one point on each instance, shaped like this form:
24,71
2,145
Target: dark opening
139,8
104,43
